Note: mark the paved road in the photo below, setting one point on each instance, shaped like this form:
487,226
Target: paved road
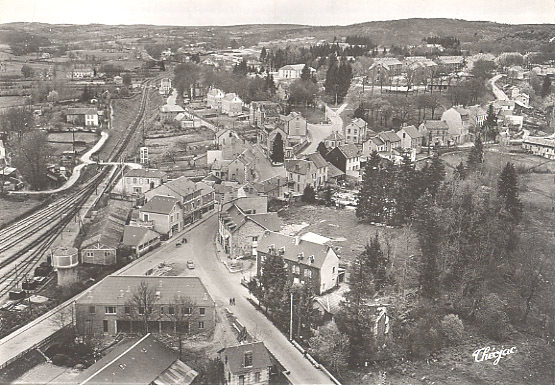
222,285
500,95
319,132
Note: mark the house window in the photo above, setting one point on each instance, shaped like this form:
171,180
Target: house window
92,310
201,324
202,310
110,310
105,326
145,217
161,309
127,310
257,377
255,238
107,253
141,310
90,254
248,359
187,310
134,180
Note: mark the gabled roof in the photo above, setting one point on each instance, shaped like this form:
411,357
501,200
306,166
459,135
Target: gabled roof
269,221
216,92
377,141
171,108
109,228
349,150
135,236
145,173
297,166
389,136
291,116
235,357
334,172
317,159
81,111
462,111
335,135
160,205
232,97
118,290
293,67
182,186
292,247
358,122
143,361
234,218
436,124
411,131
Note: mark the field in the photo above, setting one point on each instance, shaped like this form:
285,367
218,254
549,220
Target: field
67,137
11,209
11,101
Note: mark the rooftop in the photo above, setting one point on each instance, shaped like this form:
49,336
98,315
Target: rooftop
389,136
412,131
134,236
317,159
235,356
349,150
160,205
145,173
82,111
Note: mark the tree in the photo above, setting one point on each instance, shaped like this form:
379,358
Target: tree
17,121
272,282
491,123
460,171
433,175
127,79
142,299
322,149
304,314
546,87
277,155
507,190
53,97
407,191
429,235
302,92
186,75
331,347
483,69
377,261
263,54
306,73
309,196
27,71
182,311
32,155
476,155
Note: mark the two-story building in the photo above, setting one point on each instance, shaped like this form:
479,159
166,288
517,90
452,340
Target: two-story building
214,98
165,86
458,120
140,180
335,139
373,144
410,138
246,364
232,104
167,303
300,174
355,132
82,116
264,112
242,223
307,263
295,126
164,214
346,158
170,111
293,71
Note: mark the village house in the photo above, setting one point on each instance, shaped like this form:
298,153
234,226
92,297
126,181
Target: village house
268,133
142,361
373,144
293,71
477,116
355,132
140,239
81,73
165,86
306,262
195,198
264,112
187,120
346,158
453,63
295,126
246,364
242,223
118,80
458,120
386,67
544,147
140,180
164,214
335,139
179,302
225,136
390,139
82,116
302,173
436,132
232,105
170,111
214,98
410,138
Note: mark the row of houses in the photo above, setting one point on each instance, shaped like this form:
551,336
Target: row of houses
229,104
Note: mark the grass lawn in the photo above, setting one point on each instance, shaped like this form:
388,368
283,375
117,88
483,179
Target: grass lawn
11,208
349,236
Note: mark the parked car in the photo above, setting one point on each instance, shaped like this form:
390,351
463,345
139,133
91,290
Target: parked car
190,264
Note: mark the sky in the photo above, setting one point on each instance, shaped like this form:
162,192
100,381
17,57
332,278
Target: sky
233,12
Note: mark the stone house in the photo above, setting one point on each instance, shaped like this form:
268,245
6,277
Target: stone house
246,364
140,180
164,214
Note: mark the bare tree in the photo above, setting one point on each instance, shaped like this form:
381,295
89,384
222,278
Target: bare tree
182,311
142,299
32,155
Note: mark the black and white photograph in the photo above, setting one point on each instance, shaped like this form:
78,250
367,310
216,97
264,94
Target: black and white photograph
277,192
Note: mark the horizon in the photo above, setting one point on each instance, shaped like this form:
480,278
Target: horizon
310,13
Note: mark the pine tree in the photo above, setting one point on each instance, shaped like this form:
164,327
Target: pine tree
277,155
491,123
406,191
272,282
370,203
309,196
476,155
263,55
377,261
434,175
508,192
429,236
305,73
546,87
460,171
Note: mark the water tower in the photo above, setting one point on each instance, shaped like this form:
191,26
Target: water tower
65,261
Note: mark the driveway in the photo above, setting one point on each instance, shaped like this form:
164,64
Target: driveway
222,285
318,132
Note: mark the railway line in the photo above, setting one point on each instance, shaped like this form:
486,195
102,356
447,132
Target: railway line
24,243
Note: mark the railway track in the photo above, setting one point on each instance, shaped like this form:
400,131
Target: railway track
43,227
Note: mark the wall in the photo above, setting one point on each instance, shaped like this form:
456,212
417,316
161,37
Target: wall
104,256
328,275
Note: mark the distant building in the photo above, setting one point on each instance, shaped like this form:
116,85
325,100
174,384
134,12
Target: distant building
410,138
164,214
292,71
170,111
232,104
335,139
140,239
214,98
165,86
82,116
346,158
139,181
247,364
355,132
436,132
458,120
109,308
544,147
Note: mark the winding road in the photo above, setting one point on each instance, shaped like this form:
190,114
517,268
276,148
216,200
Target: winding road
318,132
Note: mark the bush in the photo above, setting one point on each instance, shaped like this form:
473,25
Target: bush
62,360
492,319
452,329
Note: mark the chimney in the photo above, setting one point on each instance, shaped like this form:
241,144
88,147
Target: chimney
297,240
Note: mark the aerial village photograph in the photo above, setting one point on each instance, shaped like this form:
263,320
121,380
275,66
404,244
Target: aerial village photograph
275,192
